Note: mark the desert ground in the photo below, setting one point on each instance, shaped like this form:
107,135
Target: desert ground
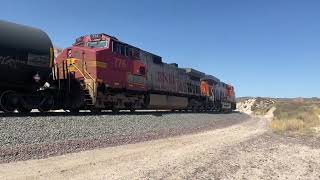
244,150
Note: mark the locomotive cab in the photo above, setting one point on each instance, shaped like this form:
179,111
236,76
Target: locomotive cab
105,56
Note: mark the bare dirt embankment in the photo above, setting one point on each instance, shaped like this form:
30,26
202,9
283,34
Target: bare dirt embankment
247,150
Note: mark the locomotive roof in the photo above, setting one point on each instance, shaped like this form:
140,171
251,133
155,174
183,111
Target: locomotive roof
194,73
210,77
116,39
143,51
112,37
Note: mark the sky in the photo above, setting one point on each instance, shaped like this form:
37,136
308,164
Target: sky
267,48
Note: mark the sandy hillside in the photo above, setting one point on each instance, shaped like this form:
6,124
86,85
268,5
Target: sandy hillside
245,106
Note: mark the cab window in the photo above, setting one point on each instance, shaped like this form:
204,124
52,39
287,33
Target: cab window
98,44
118,48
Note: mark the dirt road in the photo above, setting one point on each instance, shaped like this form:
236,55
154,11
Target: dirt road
242,151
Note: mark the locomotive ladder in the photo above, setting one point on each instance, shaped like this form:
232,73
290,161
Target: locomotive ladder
89,86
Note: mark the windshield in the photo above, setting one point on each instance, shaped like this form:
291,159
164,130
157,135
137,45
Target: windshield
98,44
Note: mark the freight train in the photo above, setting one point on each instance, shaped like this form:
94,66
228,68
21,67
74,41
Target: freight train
98,72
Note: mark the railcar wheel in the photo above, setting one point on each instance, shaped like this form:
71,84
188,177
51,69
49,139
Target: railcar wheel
23,110
132,110
115,110
9,101
46,104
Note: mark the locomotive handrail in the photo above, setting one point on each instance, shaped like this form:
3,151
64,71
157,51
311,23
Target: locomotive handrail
66,65
88,74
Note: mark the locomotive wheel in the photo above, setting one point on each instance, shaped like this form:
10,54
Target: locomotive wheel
193,109
95,111
74,111
9,101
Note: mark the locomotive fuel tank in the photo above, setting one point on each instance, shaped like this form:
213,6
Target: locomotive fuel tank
26,57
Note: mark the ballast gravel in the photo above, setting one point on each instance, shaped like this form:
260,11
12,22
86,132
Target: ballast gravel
34,137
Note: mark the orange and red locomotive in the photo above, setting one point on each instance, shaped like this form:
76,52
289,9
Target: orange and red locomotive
115,75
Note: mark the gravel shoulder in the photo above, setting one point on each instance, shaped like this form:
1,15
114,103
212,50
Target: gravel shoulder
23,138
242,151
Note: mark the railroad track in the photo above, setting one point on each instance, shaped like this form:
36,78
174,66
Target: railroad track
125,112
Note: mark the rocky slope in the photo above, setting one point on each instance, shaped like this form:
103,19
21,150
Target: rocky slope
255,106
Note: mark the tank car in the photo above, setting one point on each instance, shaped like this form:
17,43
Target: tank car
26,58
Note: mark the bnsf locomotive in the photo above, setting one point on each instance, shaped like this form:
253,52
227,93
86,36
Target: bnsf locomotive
99,72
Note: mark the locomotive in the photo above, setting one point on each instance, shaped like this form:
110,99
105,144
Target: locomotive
99,72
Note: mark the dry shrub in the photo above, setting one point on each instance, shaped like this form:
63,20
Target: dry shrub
287,125
317,111
295,116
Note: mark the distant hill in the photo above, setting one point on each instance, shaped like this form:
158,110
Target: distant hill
313,99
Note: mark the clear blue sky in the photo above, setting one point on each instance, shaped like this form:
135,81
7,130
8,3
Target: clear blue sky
264,48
